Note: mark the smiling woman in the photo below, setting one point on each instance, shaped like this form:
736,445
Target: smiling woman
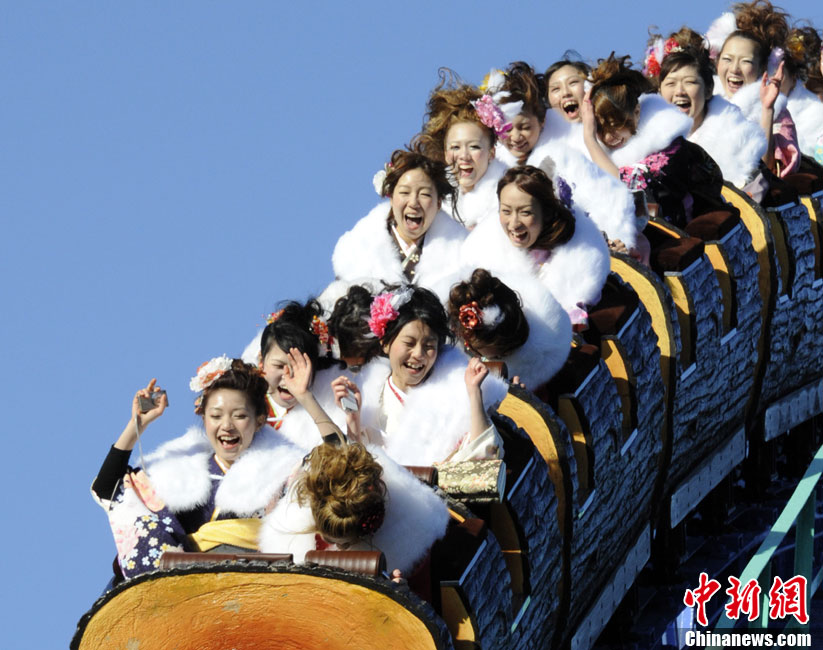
205,490
408,238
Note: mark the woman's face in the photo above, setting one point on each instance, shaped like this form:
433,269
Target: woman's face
274,364
230,423
414,203
412,354
468,152
685,89
737,64
523,135
566,90
616,138
520,216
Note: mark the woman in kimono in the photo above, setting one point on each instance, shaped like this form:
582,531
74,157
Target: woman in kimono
406,238
423,402
542,238
207,489
640,138
538,134
685,77
461,129
347,497
526,329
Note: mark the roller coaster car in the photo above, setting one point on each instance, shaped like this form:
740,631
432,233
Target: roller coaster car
675,379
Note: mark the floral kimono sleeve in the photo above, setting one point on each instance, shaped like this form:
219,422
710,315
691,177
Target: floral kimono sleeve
142,525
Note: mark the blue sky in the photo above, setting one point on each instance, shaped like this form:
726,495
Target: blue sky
170,172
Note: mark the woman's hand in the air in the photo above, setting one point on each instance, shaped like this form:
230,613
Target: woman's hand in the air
297,375
157,395
343,387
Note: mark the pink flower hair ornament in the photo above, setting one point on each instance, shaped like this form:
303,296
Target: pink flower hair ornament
384,309
492,108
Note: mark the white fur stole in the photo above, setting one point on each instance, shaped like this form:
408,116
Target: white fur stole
436,411
735,143
481,203
179,472
660,123
603,197
415,519
368,251
575,272
807,113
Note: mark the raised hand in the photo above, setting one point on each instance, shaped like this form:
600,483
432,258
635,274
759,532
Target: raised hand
344,387
476,372
297,375
770,87
152,390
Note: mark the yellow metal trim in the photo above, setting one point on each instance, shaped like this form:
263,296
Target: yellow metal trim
717,257
458,619
685,316
614,356
651,296
813,208
781,248
581,443
526,417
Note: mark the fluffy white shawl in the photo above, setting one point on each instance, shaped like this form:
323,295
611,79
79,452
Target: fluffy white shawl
747,99
603,197
368,251
481,203
807,113
550,333
735,143
415,519
575,272
659,124
179,472
437,409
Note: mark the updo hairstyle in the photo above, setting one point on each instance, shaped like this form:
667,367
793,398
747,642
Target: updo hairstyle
293,329
449,104
486,290
763,24
558,220
694,53
243,377
343,487
525,85
349,325
615,93
803,56
403,161
423,305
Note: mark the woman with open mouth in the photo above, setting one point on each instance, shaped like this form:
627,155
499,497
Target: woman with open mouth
423,402
750,71
297,361
206,490
640,138
566,87
538,134
542,237
407,237
461,130
685,78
